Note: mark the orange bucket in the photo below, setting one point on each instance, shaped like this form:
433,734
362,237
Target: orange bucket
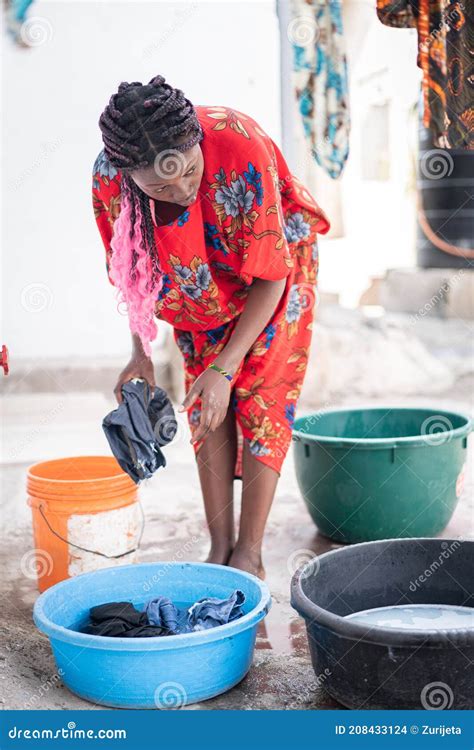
86,516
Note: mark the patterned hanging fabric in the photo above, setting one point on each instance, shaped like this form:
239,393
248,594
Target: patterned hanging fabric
321,81
460,72
16,12
445,57
432,61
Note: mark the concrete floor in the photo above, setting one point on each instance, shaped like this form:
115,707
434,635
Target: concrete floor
50,425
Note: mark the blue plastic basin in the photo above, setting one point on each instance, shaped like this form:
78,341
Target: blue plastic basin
162,672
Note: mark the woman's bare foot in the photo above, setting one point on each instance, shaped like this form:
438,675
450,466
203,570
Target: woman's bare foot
247,560
219,555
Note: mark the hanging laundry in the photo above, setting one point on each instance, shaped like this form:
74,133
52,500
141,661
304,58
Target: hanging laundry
321,80
460,54
16,16
19,8
121,620
139,427
444,56
400,14
425,16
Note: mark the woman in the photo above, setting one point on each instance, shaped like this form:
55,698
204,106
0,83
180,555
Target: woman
205,228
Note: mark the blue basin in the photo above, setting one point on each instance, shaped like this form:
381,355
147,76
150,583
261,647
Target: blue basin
162,672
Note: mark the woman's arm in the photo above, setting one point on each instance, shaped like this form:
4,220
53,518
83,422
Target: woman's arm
213,388
139,366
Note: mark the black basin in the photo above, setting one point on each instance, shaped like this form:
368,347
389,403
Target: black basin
379,667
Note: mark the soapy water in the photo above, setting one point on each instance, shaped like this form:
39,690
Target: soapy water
416,617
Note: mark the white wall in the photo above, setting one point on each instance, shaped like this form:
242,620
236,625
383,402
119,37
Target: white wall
56,299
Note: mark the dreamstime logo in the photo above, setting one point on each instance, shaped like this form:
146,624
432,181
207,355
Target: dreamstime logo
302,31
36,297
171,428
182,17
32,435
447,551
122,307
179,555
36,563
311,419
46,151
44,688
450,21
308,294
316,684
436,696
36,31
169,163
305,557
437,429
440,296
171,695
436,164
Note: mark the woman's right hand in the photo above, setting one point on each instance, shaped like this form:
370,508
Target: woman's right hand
140,366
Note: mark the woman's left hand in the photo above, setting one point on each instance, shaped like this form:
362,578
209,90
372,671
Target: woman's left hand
214,391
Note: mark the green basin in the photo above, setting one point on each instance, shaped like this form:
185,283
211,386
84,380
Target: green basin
381,473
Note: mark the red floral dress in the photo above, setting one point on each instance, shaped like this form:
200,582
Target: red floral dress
252,219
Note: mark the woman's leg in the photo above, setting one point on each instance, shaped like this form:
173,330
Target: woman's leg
216,464
258,490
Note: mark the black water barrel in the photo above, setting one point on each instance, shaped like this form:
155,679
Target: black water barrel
445,182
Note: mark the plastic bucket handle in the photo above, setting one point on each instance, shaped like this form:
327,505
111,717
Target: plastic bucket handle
92,551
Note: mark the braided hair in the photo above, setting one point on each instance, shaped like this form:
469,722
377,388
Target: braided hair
140,123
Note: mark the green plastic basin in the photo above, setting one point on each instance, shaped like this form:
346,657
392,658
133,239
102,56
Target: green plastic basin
381,473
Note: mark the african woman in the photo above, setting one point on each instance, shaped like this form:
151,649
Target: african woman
204,227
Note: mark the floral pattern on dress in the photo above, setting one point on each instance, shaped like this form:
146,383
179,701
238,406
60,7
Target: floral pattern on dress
253,220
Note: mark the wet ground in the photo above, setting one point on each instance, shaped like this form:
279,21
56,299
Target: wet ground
37,427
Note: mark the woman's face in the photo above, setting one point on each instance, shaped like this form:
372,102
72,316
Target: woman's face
174,177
